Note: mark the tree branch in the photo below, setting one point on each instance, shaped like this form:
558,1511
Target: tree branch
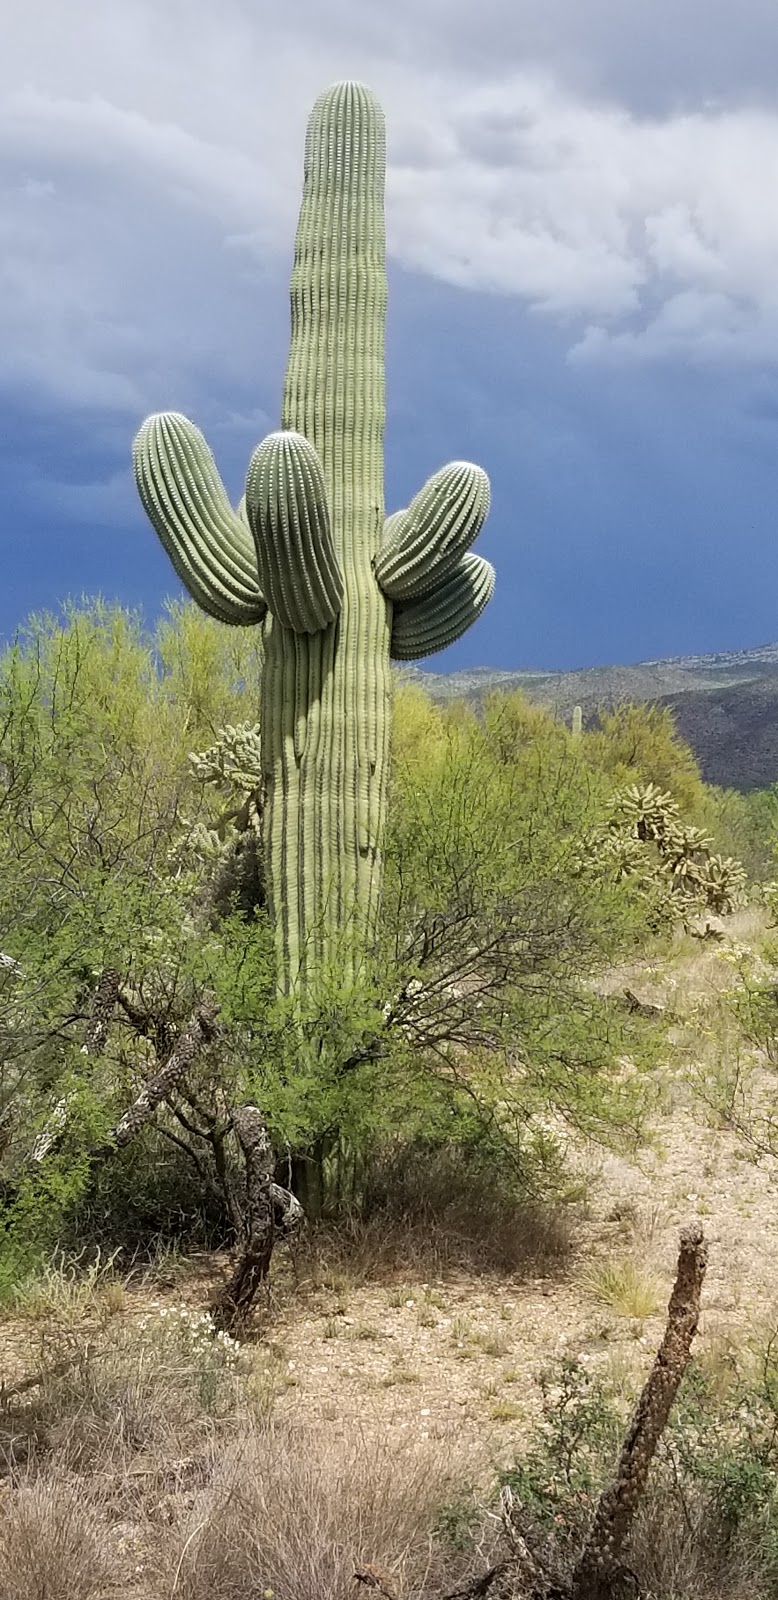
198,1032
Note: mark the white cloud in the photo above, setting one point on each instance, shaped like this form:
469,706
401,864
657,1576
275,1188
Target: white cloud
657,232
153,162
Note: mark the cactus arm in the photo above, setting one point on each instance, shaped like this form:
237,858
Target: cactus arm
287,510
422,545
208,543
421,627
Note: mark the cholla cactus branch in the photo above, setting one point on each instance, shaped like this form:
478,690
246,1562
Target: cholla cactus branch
234,762
598,1566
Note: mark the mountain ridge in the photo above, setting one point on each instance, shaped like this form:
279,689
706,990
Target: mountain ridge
725,702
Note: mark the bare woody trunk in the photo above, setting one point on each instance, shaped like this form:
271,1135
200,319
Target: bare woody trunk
235,1301
599,1574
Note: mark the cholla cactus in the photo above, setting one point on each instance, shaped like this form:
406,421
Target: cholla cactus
622,855
644,810
338,588
234,766
234,762
723,882
770,898
645,839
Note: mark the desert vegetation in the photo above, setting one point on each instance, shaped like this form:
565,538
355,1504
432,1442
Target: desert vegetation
476,1152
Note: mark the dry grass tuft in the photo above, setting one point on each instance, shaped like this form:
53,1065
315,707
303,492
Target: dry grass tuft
426,1212
161,1385
296,1510
51,1544
680,1549
624,1287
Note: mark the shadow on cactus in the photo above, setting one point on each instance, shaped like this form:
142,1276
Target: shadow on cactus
339,589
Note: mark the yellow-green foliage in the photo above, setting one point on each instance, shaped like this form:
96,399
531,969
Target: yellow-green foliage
640,744
744,825
419,726
514,724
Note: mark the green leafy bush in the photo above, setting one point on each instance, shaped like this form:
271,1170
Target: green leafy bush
129,793
708,1525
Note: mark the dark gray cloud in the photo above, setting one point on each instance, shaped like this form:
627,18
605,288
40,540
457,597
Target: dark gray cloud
655,56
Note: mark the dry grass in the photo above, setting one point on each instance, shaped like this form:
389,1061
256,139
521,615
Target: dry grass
160,1384
296,1510
692,973
426,1213
67,1293
52,1543
680,1551
624,1287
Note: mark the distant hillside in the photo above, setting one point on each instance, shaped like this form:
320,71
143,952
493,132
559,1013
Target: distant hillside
726,705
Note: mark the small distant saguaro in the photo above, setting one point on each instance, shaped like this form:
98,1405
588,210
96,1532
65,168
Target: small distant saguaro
338,589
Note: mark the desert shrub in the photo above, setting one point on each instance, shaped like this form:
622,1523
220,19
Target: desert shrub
744,826
148,1192
641,744
708,1524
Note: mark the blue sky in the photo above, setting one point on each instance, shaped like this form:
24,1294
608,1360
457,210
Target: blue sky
583,262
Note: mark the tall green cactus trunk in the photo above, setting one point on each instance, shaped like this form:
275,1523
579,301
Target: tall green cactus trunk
338,589
326,696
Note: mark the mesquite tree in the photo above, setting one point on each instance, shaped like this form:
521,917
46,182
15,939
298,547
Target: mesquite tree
339,589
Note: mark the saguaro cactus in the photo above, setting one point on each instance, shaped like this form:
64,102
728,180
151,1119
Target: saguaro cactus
338,589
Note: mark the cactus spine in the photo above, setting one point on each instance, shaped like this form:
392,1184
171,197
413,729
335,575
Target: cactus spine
338,589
